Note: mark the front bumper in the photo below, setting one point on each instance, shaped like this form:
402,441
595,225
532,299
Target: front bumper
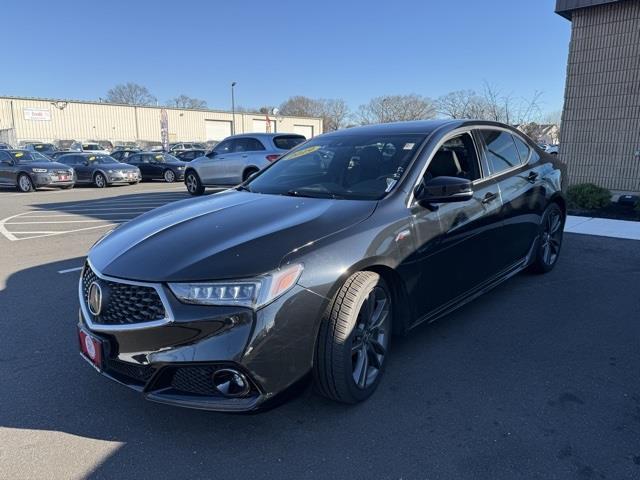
120,177
173,363
51,180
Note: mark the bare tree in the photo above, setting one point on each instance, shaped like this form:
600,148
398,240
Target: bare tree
333,112
396,108
461,104
184,101
130,94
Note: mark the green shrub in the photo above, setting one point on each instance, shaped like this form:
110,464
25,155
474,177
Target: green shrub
588,196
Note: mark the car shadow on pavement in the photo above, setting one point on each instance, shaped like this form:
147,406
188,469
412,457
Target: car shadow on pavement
520,383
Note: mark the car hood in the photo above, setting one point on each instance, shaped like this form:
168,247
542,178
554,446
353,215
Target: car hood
47,165
228,235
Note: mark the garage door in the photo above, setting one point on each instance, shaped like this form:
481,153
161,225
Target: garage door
217,129
260,126
306,130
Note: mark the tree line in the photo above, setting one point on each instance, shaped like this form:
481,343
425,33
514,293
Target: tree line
491,103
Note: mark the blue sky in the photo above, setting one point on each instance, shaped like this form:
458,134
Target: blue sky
274,49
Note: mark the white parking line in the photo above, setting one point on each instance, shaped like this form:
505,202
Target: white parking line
69,221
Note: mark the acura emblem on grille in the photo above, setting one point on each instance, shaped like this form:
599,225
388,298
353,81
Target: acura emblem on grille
94,298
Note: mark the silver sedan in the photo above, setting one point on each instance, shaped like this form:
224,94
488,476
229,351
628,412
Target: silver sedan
236,158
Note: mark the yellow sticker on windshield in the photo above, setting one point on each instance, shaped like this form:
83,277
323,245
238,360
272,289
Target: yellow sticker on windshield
92,158
19,154
158,157
303,152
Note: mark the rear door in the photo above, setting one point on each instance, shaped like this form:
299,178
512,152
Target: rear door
247,151
508,159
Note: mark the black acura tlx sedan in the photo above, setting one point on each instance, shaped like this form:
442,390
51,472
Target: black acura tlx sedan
225,301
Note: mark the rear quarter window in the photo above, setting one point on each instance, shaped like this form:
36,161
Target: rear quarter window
287,142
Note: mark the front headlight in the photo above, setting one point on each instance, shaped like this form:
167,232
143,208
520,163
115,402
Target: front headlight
109,171
180,168
253,293
39,170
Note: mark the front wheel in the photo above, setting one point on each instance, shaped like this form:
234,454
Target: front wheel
25,184
550,240
193,184
169,176
99,180
352,343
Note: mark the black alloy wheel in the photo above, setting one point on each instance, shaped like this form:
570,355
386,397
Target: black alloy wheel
550,240
353,341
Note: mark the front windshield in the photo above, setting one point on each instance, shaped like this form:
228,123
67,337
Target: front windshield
101,159
358,167
22,156
92,146
44,147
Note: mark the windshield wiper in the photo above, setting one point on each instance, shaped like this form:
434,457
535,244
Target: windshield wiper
243,188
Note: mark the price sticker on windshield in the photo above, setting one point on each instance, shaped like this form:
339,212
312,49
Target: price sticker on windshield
302,153
408,146
18,154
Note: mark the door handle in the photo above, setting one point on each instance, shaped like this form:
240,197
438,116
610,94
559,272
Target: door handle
245,155
532,177
489,197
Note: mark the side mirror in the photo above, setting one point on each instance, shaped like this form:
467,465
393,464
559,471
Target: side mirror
444,190
8,162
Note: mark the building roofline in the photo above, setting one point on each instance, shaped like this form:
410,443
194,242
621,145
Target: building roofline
566,8
159,107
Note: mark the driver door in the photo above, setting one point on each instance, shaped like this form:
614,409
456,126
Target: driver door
7,169
455,241
216,169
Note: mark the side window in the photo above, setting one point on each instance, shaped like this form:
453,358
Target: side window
133,159
252,145
523,149
4,156
500,150
146,158
223,147
456,158
68,160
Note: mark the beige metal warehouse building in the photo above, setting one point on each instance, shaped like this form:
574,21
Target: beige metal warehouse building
50,119
600,132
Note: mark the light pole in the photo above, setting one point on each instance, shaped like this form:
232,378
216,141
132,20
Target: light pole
233,110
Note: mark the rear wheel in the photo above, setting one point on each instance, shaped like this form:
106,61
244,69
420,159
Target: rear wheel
99,180
169,176
193,184
353,342
550,240
25,184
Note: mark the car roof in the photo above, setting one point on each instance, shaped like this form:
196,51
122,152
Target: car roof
259,135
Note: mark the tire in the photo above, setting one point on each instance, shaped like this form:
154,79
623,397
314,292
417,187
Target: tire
25,184
353,342
248,172
133,183
550,240
193,183
169,176
67,187
99,180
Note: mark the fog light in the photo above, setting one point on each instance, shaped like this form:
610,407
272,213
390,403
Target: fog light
231,383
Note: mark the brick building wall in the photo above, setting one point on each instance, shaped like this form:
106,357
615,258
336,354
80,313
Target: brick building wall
600,133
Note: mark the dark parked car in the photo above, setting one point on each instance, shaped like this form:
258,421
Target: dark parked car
47,149
5,146
100,170
27,170
225,301
158,166
121,154
188,155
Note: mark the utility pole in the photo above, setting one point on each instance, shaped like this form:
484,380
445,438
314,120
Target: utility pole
233,109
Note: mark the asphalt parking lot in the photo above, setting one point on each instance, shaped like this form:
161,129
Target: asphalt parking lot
537,379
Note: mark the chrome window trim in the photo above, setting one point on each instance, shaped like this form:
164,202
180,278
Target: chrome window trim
169,318
445,139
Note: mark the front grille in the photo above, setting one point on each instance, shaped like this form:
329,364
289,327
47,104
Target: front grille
123,303
139,373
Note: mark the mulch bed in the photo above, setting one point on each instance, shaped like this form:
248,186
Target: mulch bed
614,211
